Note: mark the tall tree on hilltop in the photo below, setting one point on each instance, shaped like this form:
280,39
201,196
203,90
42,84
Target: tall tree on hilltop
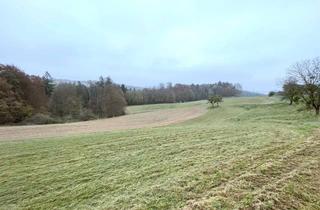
48,83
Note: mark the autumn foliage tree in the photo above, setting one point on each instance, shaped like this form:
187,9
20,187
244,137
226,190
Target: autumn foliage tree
36,99
21,95
12,107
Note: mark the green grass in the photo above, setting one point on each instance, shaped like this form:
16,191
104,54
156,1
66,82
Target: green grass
154,107
249,153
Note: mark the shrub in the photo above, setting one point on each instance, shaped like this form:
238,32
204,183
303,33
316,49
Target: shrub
86,115
39,119
216,99
271,93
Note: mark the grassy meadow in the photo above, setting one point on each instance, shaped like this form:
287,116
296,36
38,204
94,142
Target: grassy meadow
154,107
249,153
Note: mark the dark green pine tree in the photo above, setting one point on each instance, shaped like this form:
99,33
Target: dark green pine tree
48,84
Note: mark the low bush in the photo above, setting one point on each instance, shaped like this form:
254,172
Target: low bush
86,115
39,119
271,93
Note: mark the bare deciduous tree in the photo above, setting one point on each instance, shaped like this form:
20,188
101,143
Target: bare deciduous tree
307,73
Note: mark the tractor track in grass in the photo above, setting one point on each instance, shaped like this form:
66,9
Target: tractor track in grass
268,182
131,121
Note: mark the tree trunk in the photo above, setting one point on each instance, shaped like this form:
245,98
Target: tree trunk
317,110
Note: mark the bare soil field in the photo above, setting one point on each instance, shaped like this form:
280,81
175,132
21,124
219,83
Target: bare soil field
132,121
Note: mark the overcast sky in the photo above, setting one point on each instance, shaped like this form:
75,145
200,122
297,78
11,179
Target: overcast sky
147,42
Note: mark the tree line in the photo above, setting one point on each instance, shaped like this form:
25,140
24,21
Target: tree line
302,84
33,99
180,93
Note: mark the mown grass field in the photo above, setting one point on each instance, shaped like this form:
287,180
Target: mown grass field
250,153
154,107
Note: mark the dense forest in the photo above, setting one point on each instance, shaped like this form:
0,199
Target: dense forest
30,99
33,99
180,93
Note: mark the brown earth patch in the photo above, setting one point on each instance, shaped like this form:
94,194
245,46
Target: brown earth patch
141,120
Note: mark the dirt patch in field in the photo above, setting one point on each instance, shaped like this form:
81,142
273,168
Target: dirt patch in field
141,120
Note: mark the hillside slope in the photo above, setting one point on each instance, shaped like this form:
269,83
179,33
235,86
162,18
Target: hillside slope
249,153
139,117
